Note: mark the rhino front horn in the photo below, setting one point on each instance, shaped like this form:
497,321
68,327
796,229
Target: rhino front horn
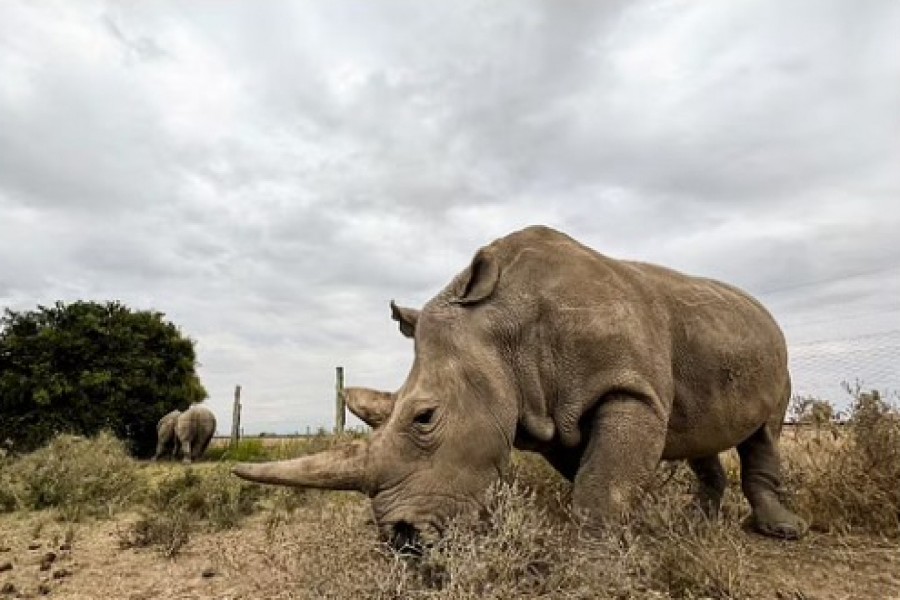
341,468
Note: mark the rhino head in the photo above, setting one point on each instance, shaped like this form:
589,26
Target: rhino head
442,438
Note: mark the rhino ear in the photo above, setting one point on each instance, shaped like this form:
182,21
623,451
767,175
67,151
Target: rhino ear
372,406
480,279
406,317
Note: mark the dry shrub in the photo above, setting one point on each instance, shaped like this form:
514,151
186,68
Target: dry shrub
515,550
211,495
677,551
851,481
525,545
78,476
326,550
167,532
186,500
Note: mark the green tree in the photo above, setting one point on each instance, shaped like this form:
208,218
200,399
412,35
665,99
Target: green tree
84,367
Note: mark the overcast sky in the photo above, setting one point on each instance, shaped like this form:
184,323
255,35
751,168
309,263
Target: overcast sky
271,174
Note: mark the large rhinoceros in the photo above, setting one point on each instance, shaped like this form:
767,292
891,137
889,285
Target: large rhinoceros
603,366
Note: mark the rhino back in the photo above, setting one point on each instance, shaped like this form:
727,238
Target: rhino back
196,423
577,324
166,424
729,363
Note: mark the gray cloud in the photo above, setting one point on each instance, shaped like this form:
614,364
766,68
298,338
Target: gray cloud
271,175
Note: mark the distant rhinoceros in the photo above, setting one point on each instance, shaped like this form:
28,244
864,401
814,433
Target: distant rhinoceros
165,434
194,429
603,366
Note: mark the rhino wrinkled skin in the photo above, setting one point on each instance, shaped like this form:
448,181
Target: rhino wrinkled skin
603,366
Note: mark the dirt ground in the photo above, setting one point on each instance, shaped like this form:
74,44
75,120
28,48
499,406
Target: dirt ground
249,563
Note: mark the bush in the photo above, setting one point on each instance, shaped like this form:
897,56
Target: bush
85,367
852,483
186,500
79,476
524,547
216,496
167,532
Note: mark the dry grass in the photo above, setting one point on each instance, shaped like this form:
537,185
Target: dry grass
77,476
274,448
525,545
180,502
312,544
847,478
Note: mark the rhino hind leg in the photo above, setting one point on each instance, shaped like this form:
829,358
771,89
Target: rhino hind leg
762,485
711,484
202,449
186,455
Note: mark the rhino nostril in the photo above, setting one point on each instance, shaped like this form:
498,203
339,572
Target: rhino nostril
405,539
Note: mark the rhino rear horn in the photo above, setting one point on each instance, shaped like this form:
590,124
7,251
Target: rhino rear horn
371,406
480,279
406,318
341,468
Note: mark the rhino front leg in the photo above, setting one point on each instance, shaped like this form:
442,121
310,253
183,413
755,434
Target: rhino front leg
761,484
625,445
712,482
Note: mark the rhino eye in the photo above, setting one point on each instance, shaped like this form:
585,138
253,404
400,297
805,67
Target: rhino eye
424,417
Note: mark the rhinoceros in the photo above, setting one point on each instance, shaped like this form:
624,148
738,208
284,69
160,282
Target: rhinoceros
165,434
194,430
603,366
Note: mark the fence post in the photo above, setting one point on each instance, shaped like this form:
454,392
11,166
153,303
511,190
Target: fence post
236,417
339,401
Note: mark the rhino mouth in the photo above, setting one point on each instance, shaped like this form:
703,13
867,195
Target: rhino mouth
409,538
406,539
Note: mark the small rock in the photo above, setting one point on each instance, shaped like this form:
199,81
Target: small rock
65,547
8,588
60,573
47,560
6,566
5,548
208,572
34,545
44,588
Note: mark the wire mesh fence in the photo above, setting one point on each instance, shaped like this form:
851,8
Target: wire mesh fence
820,367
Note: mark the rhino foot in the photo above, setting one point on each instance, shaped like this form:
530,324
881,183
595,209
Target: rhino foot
778,522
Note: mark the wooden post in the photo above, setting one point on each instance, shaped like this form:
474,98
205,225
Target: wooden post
339,401
236,417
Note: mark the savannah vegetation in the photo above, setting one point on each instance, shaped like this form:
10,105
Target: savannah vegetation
229,538
84,367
